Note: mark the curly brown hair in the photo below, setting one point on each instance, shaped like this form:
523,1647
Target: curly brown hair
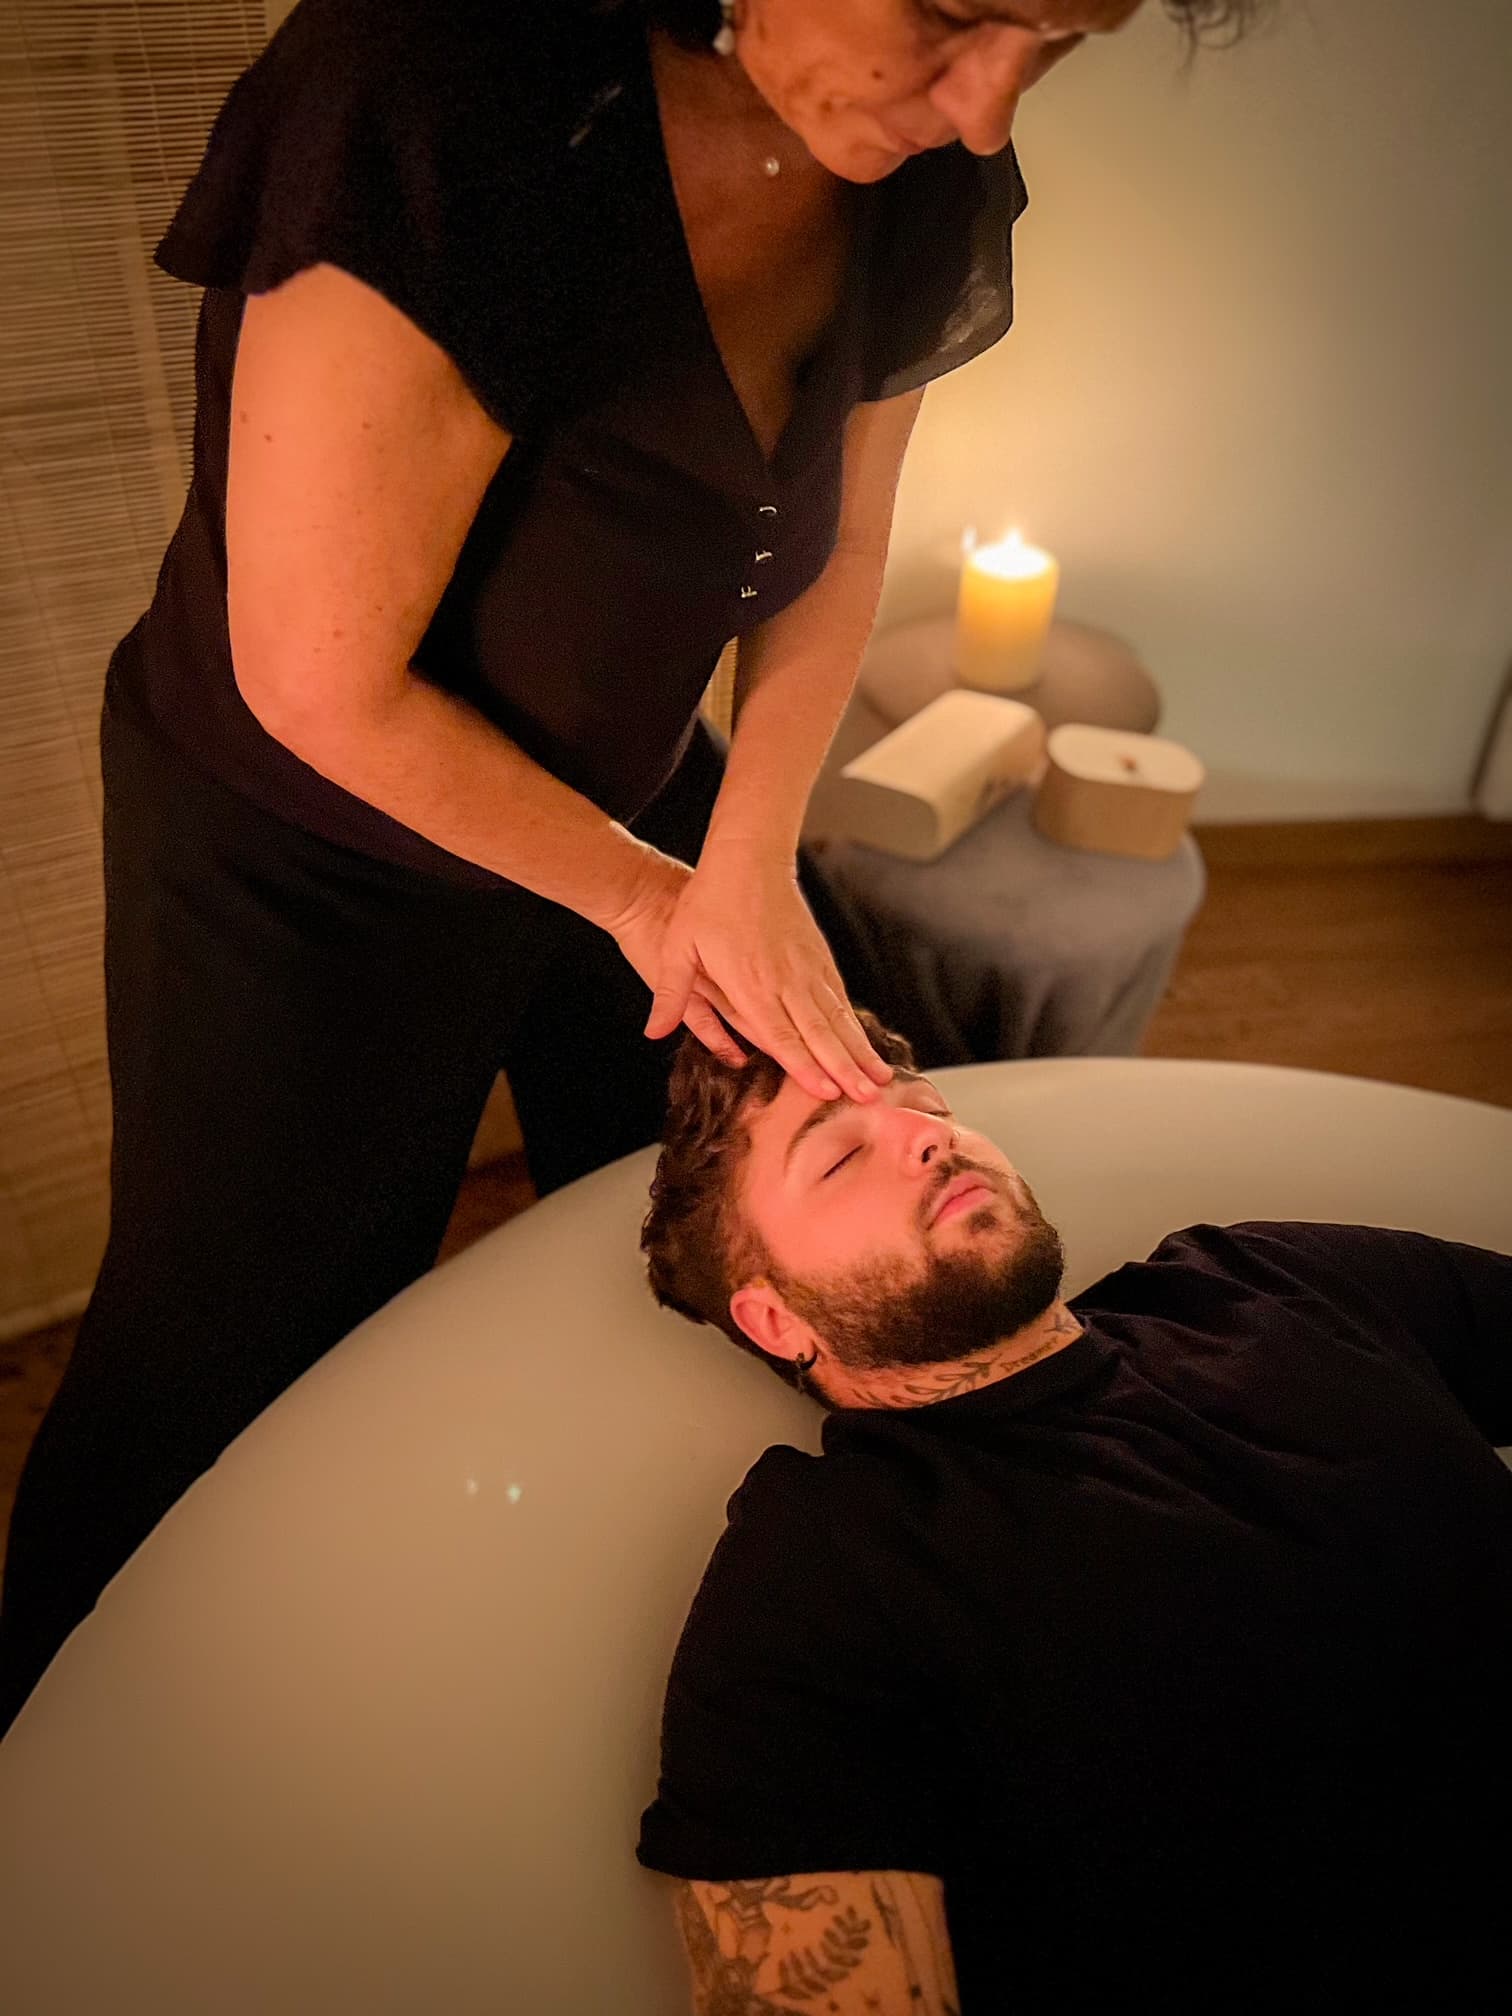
699,1245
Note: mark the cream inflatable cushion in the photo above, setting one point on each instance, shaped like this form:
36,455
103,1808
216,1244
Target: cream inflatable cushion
367,1724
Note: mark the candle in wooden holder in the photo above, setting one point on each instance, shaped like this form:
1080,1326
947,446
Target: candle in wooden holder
1007,598
1116,793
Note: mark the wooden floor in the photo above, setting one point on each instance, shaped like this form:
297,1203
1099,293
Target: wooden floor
1353,949
1382,950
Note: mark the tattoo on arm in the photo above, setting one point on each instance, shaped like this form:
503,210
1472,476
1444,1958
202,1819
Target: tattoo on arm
912,1911
835,1943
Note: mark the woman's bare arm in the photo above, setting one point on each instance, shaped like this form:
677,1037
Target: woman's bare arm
358,459
797,669
743,923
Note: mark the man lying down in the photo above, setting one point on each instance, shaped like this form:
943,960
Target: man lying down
1149,1649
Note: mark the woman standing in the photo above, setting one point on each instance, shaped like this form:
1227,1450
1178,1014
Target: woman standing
545,346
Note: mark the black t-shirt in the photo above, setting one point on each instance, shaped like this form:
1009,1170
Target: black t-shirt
498,173
1182,1656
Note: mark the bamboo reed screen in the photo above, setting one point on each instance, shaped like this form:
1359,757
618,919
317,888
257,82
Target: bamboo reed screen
719,700
104,109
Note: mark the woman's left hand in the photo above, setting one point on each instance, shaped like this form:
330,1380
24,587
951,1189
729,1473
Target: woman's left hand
742,937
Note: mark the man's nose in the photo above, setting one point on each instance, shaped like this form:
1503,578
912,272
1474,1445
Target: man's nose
980,91
923,1137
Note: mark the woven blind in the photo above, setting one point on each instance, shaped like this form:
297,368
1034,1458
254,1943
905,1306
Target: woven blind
719,700
104,109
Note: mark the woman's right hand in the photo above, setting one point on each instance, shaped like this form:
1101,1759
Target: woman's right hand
735,955
640,932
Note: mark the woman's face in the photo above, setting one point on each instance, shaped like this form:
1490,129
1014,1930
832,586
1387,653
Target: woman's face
866,83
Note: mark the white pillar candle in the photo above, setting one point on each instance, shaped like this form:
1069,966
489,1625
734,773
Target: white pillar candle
1003,614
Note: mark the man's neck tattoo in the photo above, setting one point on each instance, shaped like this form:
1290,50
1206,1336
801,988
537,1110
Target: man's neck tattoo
919,1387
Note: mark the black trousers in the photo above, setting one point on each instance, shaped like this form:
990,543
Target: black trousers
301,1040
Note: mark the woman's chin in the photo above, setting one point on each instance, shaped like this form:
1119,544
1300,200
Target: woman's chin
860,160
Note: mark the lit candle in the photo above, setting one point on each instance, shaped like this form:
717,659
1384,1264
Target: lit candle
1007,599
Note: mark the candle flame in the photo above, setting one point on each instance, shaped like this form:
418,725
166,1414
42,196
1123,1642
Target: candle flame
1011,559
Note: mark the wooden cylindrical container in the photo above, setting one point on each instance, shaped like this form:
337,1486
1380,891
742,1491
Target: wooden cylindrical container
1116,793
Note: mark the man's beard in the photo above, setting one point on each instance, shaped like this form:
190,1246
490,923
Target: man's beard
882,1313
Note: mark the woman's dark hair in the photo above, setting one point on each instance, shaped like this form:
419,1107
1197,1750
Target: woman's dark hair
1218,21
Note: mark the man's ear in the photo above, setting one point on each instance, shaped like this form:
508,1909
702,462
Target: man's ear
766,1319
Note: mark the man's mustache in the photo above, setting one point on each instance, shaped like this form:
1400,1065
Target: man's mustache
959,1166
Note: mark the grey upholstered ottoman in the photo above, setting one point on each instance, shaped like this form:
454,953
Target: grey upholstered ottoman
1009,945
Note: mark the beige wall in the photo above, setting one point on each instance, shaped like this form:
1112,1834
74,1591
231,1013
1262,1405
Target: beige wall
1257,398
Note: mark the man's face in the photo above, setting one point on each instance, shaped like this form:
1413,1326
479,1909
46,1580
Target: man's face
866,83
895,1235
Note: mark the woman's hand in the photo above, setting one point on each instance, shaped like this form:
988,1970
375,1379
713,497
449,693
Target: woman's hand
641,932
736,939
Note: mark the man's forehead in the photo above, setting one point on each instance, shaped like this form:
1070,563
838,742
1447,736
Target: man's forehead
793,1113
771,1126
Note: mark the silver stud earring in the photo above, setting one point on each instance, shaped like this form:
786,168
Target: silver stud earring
724,41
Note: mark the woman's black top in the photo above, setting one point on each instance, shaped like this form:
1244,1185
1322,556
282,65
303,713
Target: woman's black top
498,173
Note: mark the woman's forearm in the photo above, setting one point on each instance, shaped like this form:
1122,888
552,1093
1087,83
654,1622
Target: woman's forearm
795,676
439,767
797,670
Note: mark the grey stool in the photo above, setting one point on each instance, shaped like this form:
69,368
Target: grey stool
1009,945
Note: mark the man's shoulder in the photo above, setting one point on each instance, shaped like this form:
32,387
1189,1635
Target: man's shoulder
797,1508
797,1571
1319,1271
1242,1239
786,1484
1264,1250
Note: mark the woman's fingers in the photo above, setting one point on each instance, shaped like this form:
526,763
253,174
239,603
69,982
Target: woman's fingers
744,947
815,1038
672,994
825,1021
775,1036
858,1044
717,999
776,1033
820,1024
711,1032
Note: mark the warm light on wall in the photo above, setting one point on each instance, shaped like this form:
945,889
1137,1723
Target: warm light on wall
1007,599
